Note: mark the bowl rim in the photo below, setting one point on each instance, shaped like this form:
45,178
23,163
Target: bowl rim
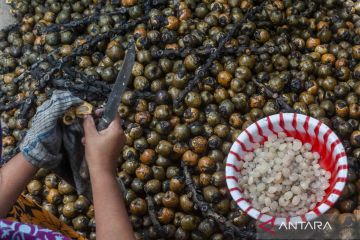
280,120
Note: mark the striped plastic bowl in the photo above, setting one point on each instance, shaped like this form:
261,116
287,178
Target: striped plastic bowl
306,129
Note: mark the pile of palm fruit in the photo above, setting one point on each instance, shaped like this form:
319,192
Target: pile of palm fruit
204,71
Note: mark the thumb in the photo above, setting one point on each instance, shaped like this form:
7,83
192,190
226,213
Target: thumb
116,123
89,126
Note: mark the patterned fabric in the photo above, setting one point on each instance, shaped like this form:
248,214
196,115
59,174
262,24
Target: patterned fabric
26,211
42,143
20,231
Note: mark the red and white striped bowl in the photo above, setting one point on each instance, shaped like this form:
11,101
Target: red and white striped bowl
308,130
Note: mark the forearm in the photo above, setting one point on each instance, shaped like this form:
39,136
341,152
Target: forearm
109,207
14,176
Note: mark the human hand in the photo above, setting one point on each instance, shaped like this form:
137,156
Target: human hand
42,143
103,148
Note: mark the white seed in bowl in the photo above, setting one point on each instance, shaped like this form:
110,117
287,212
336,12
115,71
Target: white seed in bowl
283,177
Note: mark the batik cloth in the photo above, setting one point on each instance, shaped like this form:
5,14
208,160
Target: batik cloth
28,212
20,231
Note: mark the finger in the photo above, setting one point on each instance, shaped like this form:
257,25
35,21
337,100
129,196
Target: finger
89,126
114,126
116,123
99,112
